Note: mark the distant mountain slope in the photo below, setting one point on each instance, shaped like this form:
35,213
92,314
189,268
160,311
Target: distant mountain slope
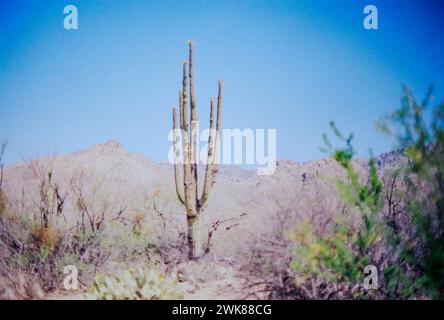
113,177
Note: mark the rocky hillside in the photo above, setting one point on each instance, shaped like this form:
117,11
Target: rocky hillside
116,180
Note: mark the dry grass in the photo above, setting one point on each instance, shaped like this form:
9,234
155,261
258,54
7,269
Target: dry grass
2,202
48,236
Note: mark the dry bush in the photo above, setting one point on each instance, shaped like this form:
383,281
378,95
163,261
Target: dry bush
51,199
172,244
18,280
21,286
268,269
20,271
34,257
92,206
165,233
48,237
37,251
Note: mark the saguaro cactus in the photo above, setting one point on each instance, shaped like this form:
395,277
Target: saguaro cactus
189,194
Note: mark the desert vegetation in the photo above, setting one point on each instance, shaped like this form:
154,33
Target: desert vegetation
392,219
310,231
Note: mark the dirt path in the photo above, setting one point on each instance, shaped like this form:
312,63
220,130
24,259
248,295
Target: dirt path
228,288
203,281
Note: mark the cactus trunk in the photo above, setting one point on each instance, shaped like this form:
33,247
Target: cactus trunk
189,194
194,228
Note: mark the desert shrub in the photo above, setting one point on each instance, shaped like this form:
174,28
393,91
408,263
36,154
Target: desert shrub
52,198
39,247
419,269
47,237
40,254
336,262
402,230
267,267
21,270
20,286
122,245
142,283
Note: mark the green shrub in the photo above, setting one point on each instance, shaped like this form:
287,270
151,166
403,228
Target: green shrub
340,257
419,270
411,235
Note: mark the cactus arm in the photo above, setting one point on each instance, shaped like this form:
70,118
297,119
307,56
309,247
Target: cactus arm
193,123
216,158
176,158
187,181
209,164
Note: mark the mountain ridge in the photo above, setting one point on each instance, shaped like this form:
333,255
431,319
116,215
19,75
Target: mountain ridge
113,177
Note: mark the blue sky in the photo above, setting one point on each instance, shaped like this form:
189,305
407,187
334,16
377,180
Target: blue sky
289,65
